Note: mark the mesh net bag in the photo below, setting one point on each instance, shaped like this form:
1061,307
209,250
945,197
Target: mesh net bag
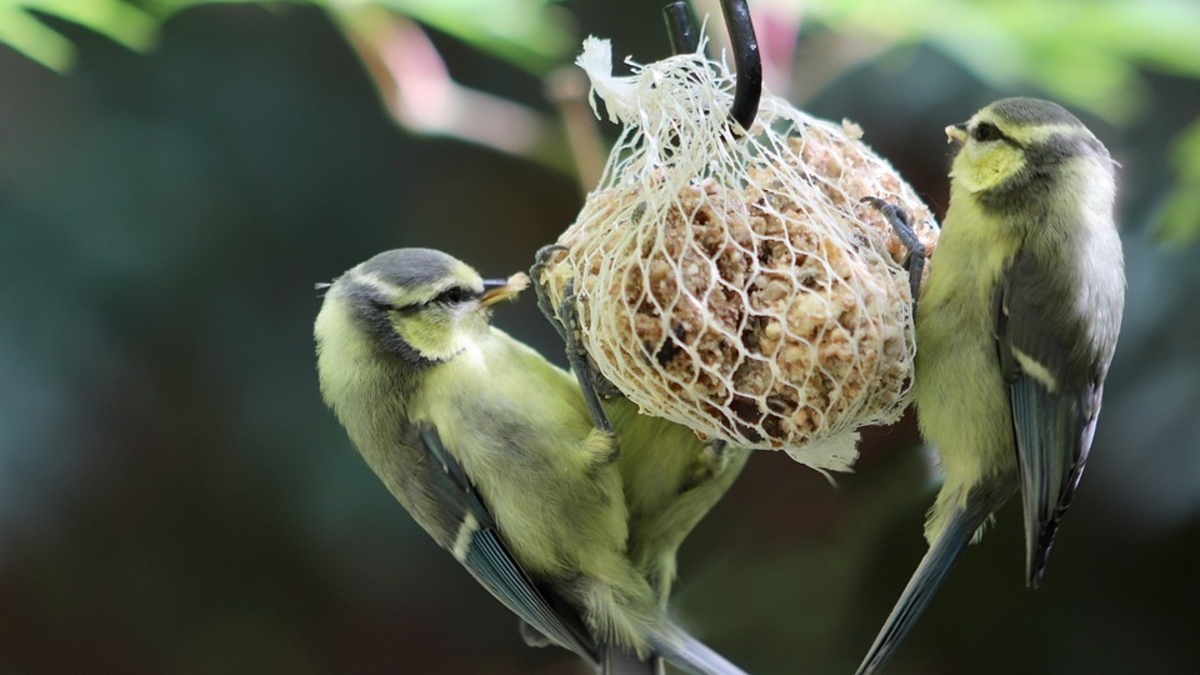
732,281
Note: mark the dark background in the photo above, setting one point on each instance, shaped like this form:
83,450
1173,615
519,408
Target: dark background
174,497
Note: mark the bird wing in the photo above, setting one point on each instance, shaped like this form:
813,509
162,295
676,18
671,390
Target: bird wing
481,548
618,661
1054,395
680,649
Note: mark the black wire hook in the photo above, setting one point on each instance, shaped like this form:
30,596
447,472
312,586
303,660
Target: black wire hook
680,28
684,38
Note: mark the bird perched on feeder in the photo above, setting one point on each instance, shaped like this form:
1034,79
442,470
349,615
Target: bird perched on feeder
493,452
1016,327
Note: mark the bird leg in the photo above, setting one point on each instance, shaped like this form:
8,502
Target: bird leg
593,385
541,260
914,261
565,319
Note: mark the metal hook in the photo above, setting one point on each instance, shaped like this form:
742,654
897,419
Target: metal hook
680,28
684,38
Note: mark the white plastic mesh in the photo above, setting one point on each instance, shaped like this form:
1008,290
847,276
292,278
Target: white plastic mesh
734,282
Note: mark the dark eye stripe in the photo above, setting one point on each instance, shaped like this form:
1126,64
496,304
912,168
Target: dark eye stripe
455,295
986,131
451,296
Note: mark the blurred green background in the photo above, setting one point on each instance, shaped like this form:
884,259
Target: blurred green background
175,499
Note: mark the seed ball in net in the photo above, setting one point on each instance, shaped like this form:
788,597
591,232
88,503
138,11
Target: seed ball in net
735,282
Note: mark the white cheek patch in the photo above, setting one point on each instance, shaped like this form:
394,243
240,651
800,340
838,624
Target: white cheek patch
1037,371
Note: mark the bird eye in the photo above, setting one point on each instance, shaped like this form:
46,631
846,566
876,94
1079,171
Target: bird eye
453,296
986,131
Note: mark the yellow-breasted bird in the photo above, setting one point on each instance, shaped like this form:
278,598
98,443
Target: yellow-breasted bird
1016,327
493,452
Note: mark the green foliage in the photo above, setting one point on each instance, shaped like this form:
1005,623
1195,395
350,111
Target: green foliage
533,34
119,20
1086,53
1180,220
1089,54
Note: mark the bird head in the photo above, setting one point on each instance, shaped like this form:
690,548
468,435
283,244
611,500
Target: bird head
419,304
1021,153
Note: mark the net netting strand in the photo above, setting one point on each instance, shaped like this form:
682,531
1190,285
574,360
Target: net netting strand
733,281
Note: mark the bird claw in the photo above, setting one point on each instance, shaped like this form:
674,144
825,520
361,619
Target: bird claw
565,319
541,260
594,386
914,260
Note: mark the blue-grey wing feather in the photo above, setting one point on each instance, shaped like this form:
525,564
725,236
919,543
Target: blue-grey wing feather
1053,439
983,500
618,661
490,560
1053,422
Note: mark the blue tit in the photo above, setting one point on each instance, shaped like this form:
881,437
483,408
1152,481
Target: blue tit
492,450
1016,327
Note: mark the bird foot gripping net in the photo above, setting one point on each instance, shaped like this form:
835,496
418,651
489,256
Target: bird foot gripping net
733,281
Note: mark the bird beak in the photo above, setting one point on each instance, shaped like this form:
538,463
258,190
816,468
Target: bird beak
956,133
495,290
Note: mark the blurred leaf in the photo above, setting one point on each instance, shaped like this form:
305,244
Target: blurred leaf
34,39
1180,223
1086,53
118,20
416,86
533,34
